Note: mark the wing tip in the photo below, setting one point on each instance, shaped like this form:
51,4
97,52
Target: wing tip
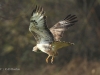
70,17
34,10
38,9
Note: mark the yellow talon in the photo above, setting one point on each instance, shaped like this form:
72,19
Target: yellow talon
52,60
47,58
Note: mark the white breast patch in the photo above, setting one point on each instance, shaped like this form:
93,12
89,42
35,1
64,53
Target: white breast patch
44,47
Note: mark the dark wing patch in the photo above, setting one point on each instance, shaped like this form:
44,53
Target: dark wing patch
59,28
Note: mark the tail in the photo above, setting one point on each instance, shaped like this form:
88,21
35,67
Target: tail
57,44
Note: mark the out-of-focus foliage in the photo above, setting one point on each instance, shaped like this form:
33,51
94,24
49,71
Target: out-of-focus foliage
16,42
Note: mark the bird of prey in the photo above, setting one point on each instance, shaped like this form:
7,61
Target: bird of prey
49,40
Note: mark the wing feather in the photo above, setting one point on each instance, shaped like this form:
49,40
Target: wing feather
38,26
59,28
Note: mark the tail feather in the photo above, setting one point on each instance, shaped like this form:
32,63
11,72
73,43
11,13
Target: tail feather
58,44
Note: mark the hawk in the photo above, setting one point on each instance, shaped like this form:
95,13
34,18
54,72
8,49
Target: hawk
49,40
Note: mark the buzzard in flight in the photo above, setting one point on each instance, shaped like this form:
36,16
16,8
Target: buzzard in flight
49,40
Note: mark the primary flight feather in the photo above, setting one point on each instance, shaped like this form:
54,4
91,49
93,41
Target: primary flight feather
49,40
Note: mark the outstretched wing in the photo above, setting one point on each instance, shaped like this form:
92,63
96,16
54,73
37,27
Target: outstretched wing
59,28
38,26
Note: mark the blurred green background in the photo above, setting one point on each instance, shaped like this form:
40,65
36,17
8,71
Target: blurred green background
16,42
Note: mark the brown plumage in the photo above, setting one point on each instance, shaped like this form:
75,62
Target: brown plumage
49,41
59,28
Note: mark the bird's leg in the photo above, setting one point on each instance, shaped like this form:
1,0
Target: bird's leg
56,53
47,58
52,59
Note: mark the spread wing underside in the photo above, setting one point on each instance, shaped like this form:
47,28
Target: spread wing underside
38,26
